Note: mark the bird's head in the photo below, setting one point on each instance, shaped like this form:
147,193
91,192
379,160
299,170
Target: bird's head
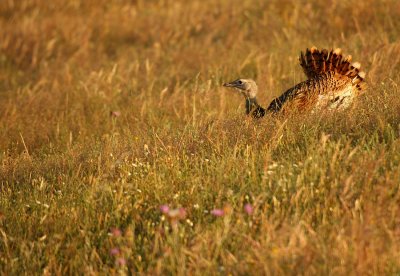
247,87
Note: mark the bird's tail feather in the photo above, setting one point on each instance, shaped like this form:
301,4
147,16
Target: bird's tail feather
316,62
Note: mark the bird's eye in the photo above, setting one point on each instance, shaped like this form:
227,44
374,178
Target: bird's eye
240,82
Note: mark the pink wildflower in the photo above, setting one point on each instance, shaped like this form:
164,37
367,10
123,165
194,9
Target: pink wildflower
116,232
179,213
115,113
248,208
217,212
121,261
164,209
115,251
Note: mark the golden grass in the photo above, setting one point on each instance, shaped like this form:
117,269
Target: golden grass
325,189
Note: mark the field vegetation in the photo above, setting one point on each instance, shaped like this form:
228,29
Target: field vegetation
121,153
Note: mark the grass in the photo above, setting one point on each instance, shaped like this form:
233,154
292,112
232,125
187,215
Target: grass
110,109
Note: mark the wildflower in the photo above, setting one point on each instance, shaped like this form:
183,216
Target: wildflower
164,209
179,213
121,261
188,221
248,208
217,212
115,113
116,232
273,166
115,251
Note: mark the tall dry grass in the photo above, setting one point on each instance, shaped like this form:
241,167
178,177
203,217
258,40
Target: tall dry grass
109,109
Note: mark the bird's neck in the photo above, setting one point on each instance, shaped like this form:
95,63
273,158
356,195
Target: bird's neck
251,103
253,108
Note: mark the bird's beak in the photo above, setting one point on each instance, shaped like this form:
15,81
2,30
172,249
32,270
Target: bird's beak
229,84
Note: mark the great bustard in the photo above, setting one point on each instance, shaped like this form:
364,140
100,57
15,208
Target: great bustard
333,82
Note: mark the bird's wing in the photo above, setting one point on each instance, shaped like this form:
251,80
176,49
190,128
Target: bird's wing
306,94
294,94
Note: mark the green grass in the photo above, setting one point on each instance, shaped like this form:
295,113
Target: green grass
324,187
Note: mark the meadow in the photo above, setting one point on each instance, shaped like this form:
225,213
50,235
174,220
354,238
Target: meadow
121,152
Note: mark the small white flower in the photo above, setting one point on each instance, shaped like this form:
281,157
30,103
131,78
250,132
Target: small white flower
272,166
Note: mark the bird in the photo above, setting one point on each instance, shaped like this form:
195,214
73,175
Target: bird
333,82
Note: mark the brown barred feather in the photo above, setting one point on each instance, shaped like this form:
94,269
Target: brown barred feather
329,61
316,62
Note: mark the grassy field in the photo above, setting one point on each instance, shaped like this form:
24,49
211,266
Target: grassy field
120,152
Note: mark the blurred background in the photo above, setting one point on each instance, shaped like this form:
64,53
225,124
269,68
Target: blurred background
66,64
